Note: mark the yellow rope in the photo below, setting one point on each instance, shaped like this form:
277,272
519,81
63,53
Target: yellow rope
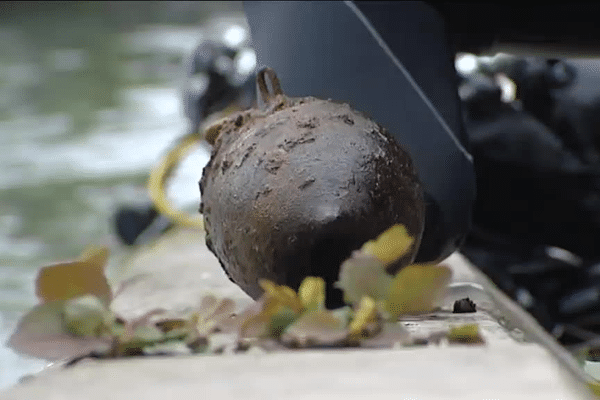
160,175
162,172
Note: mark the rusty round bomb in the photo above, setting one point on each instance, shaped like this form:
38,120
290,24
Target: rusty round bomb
293,187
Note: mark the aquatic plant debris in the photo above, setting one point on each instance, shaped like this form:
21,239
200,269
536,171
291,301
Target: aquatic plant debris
74,317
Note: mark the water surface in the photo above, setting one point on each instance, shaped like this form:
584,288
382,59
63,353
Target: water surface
89,101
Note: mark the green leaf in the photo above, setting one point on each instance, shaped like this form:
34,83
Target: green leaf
363,275
148,334
143,336
117,329
87,316
176,334
416,289
131,333
171,348
280,321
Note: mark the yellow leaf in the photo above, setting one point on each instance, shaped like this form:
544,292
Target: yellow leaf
390,246
283,294
416,288
268,286
594,387
147,334
366,314
468,333
74,279
312,293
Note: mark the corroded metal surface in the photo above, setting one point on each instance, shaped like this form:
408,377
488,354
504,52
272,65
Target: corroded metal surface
292,188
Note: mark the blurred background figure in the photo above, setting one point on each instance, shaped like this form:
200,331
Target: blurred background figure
219,76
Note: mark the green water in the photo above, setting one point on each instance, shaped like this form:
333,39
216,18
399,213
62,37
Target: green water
89,101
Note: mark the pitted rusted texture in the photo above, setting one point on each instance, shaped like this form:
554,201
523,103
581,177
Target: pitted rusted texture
292,189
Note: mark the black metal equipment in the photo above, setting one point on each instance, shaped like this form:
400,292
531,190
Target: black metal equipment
536,215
